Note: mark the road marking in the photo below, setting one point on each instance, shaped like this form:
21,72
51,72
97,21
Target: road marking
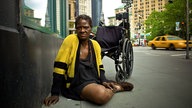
147,53
178,55
152,54
140,51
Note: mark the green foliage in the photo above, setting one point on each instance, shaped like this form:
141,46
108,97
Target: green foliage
154,24
150,38
160,23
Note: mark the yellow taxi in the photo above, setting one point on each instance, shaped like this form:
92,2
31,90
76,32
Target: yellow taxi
170,42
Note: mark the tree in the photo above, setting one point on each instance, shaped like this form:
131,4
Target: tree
174,12
154,25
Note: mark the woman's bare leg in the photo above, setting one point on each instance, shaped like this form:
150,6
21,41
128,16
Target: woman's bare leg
97,93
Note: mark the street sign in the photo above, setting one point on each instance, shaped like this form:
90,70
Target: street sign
177,28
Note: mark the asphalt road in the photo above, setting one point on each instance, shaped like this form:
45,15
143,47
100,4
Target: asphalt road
162,79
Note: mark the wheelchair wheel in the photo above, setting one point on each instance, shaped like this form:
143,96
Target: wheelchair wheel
120,77
127,57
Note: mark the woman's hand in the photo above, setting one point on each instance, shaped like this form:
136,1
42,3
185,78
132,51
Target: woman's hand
51,100
109,85
113,86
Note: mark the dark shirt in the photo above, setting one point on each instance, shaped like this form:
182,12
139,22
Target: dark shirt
87,70
86,74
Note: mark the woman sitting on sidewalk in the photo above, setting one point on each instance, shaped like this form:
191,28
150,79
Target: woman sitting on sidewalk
78,69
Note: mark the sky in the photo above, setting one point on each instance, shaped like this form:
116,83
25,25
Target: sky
109,7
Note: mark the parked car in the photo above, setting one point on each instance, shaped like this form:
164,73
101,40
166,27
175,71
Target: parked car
170,42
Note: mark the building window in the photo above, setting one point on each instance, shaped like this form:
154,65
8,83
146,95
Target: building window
35,15
44,15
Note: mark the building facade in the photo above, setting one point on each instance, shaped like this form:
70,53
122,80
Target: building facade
72,5
85,7
141,9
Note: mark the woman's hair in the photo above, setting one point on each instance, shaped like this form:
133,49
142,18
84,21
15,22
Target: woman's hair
84,17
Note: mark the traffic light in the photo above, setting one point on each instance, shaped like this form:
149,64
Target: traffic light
119,16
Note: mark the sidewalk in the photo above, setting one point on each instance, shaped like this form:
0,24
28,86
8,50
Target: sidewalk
119,100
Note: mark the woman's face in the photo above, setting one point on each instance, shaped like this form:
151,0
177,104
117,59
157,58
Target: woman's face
83,29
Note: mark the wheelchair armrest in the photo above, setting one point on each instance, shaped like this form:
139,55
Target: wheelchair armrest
103,50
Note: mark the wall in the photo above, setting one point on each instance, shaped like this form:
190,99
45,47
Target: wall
26,60
26,67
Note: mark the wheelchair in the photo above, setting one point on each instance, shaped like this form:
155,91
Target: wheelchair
115,45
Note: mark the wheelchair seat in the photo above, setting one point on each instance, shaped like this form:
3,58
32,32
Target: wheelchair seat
108,37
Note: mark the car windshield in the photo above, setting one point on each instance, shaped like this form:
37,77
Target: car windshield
174,38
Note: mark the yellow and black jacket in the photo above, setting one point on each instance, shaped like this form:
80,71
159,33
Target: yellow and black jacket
66,63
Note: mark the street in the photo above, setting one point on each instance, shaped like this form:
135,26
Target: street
162,79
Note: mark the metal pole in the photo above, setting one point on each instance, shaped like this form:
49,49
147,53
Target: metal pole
187,24
128,4
128,24
139,14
